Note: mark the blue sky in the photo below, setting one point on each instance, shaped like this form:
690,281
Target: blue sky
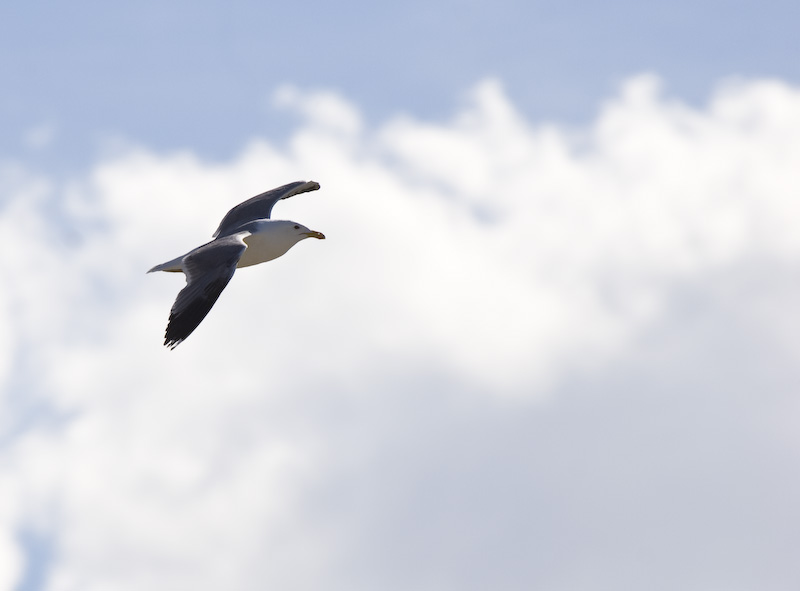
198,74
550,341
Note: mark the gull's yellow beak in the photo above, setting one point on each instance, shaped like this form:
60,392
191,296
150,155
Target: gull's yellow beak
313,234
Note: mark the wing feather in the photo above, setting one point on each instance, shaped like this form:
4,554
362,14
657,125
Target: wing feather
208,270
260,206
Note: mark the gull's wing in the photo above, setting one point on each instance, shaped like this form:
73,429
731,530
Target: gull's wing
208,270
260,206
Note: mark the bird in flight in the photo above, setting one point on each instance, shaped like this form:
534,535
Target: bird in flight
245,236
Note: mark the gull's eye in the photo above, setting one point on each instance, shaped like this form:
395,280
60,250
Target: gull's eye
297,227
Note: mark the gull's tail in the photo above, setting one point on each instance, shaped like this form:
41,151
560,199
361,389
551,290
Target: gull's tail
173,266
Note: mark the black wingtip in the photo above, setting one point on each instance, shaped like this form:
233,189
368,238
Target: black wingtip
178,329
171,343
306,187
181,326
172,340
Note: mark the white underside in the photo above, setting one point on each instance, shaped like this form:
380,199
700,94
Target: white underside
263,247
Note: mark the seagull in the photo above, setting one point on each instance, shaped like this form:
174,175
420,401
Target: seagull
246,236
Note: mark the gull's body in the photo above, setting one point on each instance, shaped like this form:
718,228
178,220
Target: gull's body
246,236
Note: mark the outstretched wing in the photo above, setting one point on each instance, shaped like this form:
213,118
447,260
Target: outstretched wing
260,206
208,270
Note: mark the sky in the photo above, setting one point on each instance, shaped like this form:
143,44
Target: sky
550,341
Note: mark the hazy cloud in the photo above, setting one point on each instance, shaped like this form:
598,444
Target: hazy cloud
526,356
39,137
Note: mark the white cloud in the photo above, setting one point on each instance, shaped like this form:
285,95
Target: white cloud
325,110
39,137
432,381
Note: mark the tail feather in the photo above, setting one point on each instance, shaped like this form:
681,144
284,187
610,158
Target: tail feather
173,266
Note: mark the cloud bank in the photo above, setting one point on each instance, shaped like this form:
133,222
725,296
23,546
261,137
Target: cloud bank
526,357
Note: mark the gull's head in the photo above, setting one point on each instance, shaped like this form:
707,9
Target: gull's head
293,230
306,233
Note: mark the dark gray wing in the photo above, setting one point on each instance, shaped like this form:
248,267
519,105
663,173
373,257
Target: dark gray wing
260,206
208,270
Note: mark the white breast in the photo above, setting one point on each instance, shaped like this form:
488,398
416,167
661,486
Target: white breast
265,246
